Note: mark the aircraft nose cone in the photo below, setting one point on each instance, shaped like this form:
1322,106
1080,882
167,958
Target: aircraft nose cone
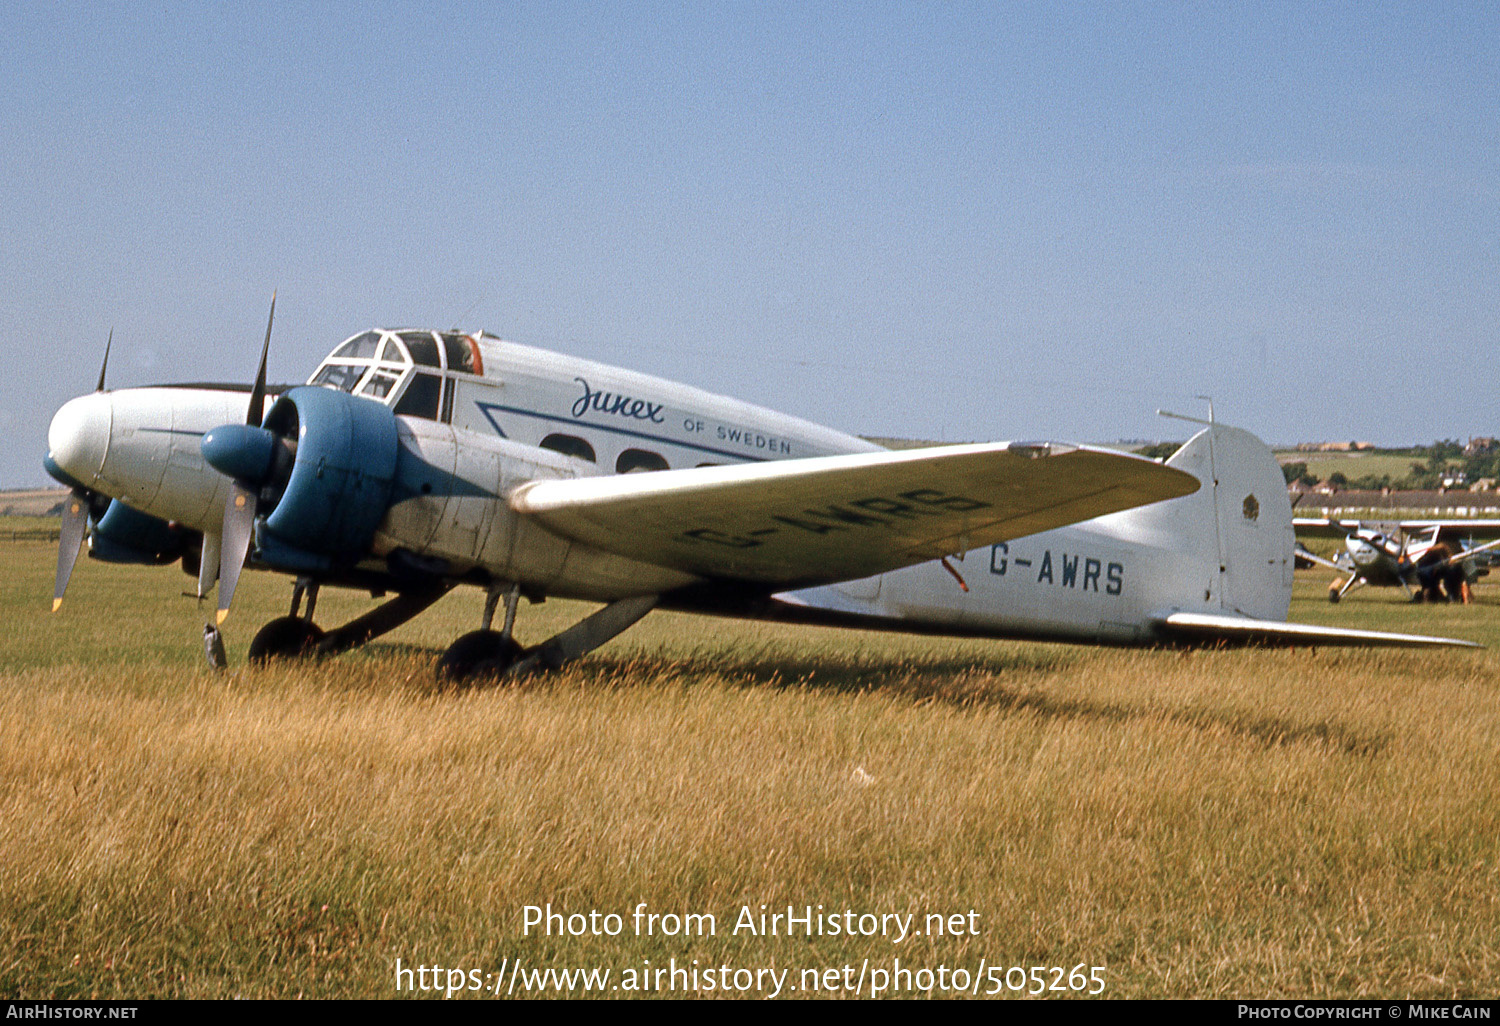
79,437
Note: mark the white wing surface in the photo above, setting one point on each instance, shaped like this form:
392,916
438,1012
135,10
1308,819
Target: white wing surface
834,518
1318,527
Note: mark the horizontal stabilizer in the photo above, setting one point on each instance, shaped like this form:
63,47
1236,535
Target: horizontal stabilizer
795,523
1204,626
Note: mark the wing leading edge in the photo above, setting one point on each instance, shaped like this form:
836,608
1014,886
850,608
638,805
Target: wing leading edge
796,523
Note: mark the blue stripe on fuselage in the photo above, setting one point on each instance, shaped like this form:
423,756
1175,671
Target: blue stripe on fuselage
486,409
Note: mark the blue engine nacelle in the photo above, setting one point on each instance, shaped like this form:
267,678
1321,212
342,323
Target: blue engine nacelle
320,512
125,535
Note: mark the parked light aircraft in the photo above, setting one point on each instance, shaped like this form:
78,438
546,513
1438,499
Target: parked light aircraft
1387,553
415,461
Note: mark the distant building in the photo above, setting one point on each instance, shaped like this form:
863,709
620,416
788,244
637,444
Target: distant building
1480,446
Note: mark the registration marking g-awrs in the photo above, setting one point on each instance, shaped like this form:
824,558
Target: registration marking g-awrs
874,511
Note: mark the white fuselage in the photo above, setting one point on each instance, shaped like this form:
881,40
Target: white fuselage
516,413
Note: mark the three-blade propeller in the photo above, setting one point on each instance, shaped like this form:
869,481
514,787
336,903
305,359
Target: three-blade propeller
240,509
76,511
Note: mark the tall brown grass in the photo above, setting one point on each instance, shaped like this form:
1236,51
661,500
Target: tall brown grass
1238,823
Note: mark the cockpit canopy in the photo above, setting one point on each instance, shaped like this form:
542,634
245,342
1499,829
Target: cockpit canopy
408,370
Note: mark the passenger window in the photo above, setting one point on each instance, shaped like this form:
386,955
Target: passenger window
421,397
632,460
570,445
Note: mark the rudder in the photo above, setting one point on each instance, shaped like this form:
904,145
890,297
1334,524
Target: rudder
1244,519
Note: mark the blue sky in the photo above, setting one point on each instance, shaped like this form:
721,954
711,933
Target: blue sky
935,220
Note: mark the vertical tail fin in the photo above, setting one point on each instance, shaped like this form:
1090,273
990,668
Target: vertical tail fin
1238,525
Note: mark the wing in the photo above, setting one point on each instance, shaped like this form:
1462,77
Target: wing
795,523
1461,529
1319,527
1203,626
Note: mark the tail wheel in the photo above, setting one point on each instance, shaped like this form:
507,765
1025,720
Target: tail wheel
287,637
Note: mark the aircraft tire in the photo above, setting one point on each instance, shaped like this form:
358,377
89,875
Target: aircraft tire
286,637
479,654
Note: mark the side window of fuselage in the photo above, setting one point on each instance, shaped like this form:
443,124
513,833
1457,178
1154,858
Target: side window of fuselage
570,445
632,460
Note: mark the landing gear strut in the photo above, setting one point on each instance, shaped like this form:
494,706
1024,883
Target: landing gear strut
1336,592
296,636
485,652
491,653
291,636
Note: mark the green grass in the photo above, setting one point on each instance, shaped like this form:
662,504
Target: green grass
1309,823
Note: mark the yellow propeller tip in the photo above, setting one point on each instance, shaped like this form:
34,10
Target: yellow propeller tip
221,616
56,604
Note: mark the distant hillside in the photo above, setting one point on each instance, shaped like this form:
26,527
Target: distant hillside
37,502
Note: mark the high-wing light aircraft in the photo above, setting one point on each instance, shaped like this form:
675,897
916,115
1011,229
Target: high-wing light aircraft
414,461
1388,553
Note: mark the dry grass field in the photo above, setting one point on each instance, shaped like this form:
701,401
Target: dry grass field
1310,823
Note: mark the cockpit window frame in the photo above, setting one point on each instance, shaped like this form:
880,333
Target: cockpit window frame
349,385
412,340
396,357
374,342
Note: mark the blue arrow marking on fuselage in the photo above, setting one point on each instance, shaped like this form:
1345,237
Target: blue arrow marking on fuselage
488,410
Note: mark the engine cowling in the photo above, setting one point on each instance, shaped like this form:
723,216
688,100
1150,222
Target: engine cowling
126,535
323,463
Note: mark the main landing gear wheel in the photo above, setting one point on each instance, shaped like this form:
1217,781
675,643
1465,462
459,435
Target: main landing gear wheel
287,637
486,653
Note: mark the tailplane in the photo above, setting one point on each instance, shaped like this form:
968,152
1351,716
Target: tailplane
1239,528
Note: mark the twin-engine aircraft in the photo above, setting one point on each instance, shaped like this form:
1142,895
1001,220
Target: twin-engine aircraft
1390,554
415,461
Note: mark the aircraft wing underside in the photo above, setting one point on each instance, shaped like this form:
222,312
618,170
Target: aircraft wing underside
826,519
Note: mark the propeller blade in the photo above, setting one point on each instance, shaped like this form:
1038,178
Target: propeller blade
75,522
105,365
208,563
239,523
256,411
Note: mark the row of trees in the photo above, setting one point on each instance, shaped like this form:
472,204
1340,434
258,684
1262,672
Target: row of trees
1430,466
